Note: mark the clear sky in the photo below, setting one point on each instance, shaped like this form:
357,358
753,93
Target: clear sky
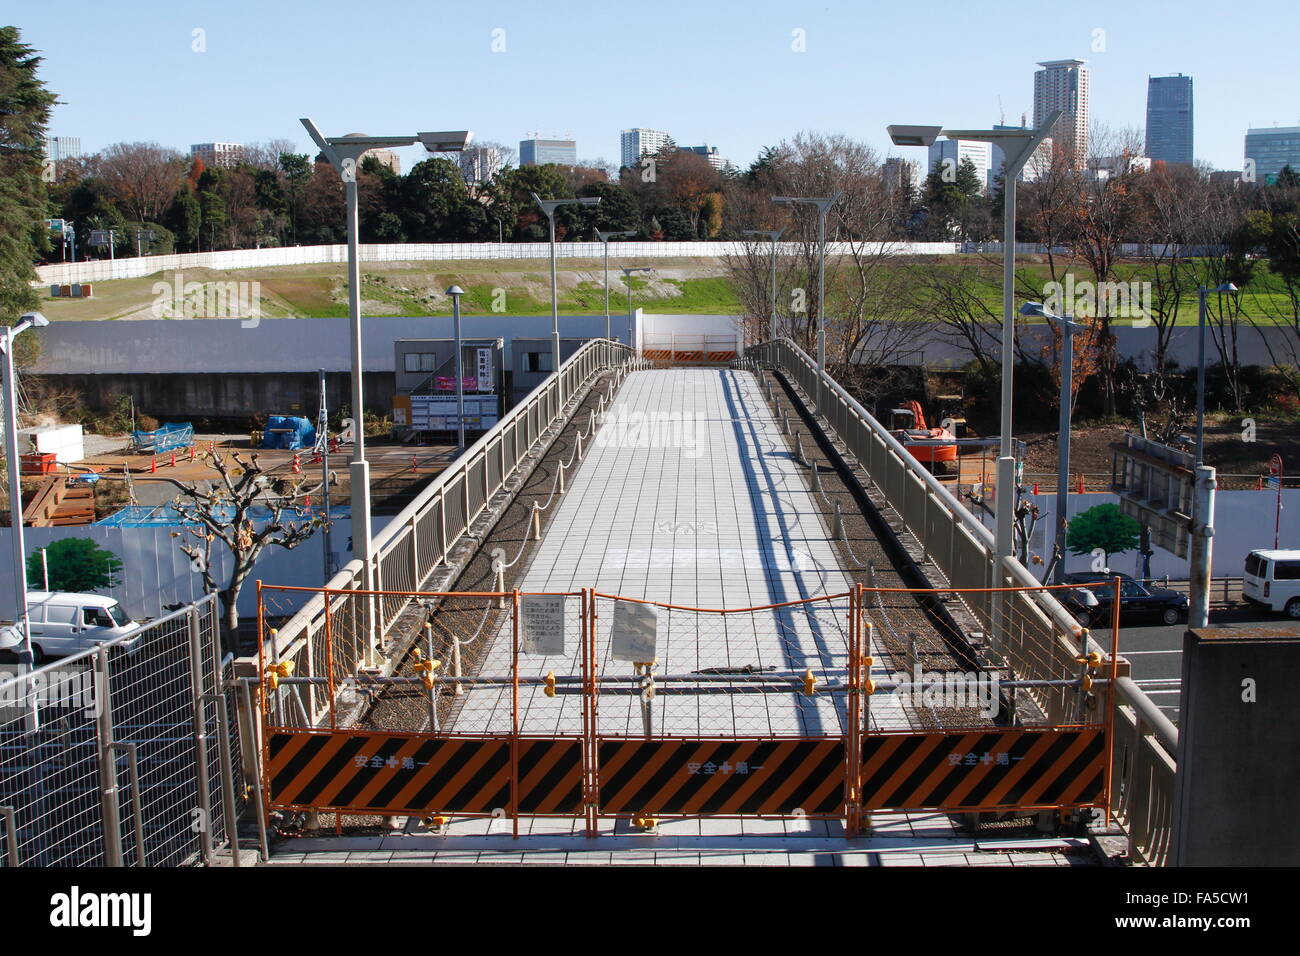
725,73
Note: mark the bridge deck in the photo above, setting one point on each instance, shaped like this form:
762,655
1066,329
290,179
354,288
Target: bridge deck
690,497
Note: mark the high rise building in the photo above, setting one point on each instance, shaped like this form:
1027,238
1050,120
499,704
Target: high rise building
1063,85
711,154
950,153
1271,149
480,163
1169,119
540,152
635,143
218,154
904,174
59,148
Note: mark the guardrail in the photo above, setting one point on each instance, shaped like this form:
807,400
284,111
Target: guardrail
408,550
963,551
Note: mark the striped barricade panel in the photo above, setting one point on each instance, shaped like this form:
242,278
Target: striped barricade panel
984,770
379,772
771,776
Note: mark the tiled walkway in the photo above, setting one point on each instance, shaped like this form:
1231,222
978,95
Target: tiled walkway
690,496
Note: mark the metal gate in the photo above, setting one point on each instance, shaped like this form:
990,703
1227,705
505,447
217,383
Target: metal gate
594,705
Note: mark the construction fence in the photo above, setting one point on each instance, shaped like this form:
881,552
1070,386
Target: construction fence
592,706
125,755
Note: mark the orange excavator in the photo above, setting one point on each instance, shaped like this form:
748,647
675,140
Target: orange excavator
930,446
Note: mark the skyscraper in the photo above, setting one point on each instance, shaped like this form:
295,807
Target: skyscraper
635,143
1169,119
1063,85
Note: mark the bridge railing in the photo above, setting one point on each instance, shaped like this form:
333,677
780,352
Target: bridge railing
409,549
963,550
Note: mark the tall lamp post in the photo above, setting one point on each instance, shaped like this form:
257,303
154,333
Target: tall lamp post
344,154
1201,558
628,272
456,292
30,320
773,235
1017,146
1069,329
604,237
549,206
823,205
1202,294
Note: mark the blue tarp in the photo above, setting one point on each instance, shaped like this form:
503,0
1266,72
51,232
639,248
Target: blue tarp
290,432
171,436
139,516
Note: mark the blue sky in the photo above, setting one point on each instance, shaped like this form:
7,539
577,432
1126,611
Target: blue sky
723,73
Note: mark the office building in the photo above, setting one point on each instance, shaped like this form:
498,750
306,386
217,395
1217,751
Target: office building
1269,150
1169,119
218,154
480,163
711,154
635,143
60,148
541,152
1063,85
949,154
902,174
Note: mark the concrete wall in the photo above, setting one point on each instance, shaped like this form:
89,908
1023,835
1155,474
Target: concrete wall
129,268
228,395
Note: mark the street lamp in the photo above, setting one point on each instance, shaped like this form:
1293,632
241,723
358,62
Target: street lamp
773,235
1069,328
30,320
604,237
627,275
823,207
549,206
344,154
1202,294
1017,146
456,292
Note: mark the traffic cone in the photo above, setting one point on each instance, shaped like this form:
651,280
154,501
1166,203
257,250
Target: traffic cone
153,464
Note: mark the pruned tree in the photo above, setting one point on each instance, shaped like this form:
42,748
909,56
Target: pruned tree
225,514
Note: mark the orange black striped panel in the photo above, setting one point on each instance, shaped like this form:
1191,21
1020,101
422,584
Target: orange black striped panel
722,776
378,772
984,770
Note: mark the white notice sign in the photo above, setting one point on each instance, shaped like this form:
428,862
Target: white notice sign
635,628
541,619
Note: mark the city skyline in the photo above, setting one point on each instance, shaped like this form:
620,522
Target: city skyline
995,83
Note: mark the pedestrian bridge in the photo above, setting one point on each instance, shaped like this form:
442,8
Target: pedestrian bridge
790,572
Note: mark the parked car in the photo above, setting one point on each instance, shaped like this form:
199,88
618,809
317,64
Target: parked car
65,622
1272,579
1138,603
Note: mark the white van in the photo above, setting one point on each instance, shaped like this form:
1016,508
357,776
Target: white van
1273,579
66,623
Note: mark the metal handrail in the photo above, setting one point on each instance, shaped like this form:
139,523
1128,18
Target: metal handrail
453,485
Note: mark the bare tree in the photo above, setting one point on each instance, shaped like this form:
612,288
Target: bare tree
225,514
142,177
266,155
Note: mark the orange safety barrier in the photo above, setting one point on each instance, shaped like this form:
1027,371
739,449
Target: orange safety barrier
614,767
